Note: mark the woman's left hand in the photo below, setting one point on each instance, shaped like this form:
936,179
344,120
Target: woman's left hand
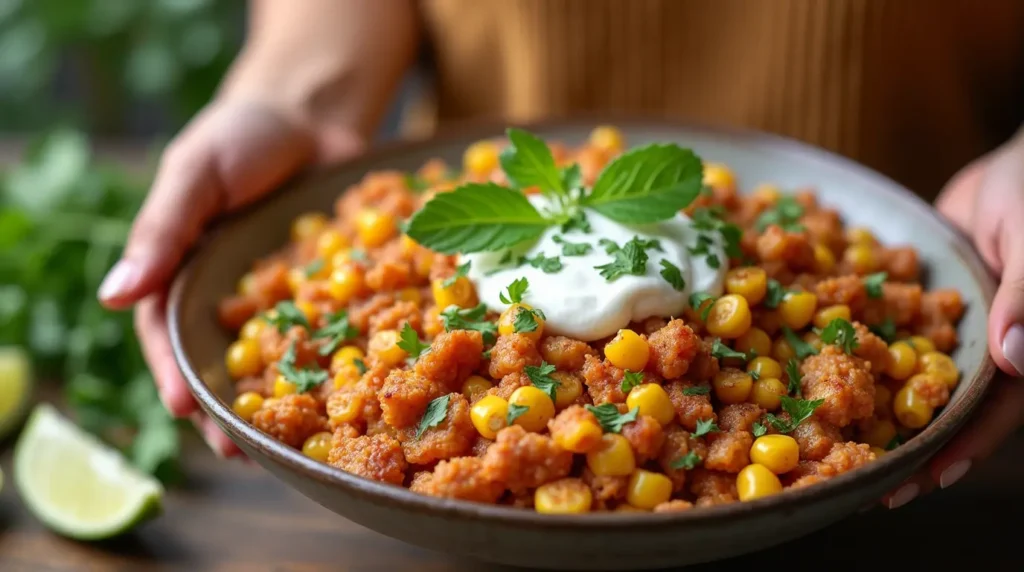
986,201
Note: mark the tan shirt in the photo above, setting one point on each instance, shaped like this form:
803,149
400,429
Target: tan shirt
914,88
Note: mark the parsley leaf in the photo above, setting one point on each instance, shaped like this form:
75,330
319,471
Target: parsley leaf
671,273
801,348
896,441
841,333
337,330
754,374
527,161
285,315
705,426
476,217
609,417
572,248
305,378
526,320
516,290
687,461
697,390
608,245
456,318
436,411
722,351
313,267
886,330
698,299
631,379
630,260
758,430
540,377
360,365
572,178
357,254
710,219
548,265
577,221
416,184
786,214
410,342
873,284
648,184
460,271
793,373
776,292
799,410
514,411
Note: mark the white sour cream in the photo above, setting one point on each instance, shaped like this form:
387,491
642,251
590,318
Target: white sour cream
577,301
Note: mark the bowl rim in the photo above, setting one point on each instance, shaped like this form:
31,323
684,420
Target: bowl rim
935,434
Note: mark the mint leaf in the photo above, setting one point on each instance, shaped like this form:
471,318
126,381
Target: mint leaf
697,299
793,373
514,411
840,332
572,248
476,218
460,271
631,259
609,417
337,331
548,265
873,284
540,377
516,290
697,390
631,379
456,318
436,411
410,342
286,315
705,426
527,162
687,462
671,273
801,348
776,292
757,429
648,184
572,178
305,378
786,214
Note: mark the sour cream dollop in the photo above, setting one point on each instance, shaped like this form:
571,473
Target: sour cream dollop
577,301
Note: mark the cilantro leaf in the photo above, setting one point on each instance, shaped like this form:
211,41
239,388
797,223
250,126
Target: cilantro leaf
410,342
722,351
886,330
415,183
527,162
285,315
840,332
687,462
710,219
786,214
360,365
305,378
577,221
436,411
671,273
801,348
609,417
357,254
525,320
793,373
514,411
516,290
572,248
698,299
697,390
548,265
648,184
540,377
313,267
476,217
608,245
456,318
705,426
631,379
460,271
572,178
754,374
799,410
873,284
630,260
776,292
337,331
758,430
896,441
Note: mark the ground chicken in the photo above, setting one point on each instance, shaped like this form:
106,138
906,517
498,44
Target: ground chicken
847,290
871,348
453,356
566,354
739,417
672,349
930,388
816,438
704,366
396,317
691,402
290,419
564,429
405,396
848,456
676,505
712,484
511,354
728,452
606,491
460,478
603,381
645,436
677,445
453,437
378,457
510,383
523,460
842,382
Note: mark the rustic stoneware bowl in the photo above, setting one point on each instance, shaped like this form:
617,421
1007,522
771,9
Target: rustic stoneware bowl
594,541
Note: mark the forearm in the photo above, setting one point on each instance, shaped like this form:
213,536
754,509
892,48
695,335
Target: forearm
327,62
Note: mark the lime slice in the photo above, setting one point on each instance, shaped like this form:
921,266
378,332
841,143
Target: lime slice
76,485
15,387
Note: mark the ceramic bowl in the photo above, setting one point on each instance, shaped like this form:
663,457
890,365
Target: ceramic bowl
594,541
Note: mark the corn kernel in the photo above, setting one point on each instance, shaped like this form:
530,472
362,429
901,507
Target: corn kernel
878,432
910,409
507,322
317,446
782,351
564,496
247,404
475,387
861,258
756,481
329,243
375,227
253,328
307,226
878,451
651,399
732,386
345,407
410,295
824,260
614,458
309,310
345,283
730,317
607,138
283,387
860,235
750,282
244,359
647,489
346,356
767,393
767,193
921,344
797,309
460,293
488,415
718,176
755,340
481,158
628,351
777,453
540,408
246,284
579,437
569,389
824,316
765,367
346,374
941,366
383,346
902,361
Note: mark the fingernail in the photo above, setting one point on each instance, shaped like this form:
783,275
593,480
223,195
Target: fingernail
1013,347
117,280
905,494
954,473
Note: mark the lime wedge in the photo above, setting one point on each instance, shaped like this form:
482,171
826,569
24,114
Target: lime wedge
15,386
76,485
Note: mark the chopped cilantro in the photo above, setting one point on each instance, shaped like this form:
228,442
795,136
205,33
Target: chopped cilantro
698,299
671,273
757,429
754,374
705,426
525,320
722,351
774,295
631,259
801,348
799,410
576,221
697,390
609,417
688,461
410,342
456,318
896,441
415,183
549,265
873,284
649,243
608,245
514,411
357,254
786,214
337,331
305,378
285,315
313,267
360,365
572,248
516,290
631,379
793,373
841,333
460,271
886,330
436,411
710,219
540,377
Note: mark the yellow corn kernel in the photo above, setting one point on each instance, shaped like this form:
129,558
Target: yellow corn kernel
246,404
307,226
579,437
730,317
782,351
921,344
860,235
755,340
717,175
651,399
410,295
346,408
750,282
564,496
883,400
878,432
765,367
345,283
647,489
941,366
797,309
309,310
910,409
375,227
902,360
252,328
824,260
460,293
767,193
246,284
296,277
824,316
614,458
384,347
767,393
507,322
283,387
732,386
329,243
488,415
340,259
607,138
814,340
777,453
861,258
346,356
540,408
481,158
244,359
475,387
878,451
317,446
628,351
756,481
346,374
569,389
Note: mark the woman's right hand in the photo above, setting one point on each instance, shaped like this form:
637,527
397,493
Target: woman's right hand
232,153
